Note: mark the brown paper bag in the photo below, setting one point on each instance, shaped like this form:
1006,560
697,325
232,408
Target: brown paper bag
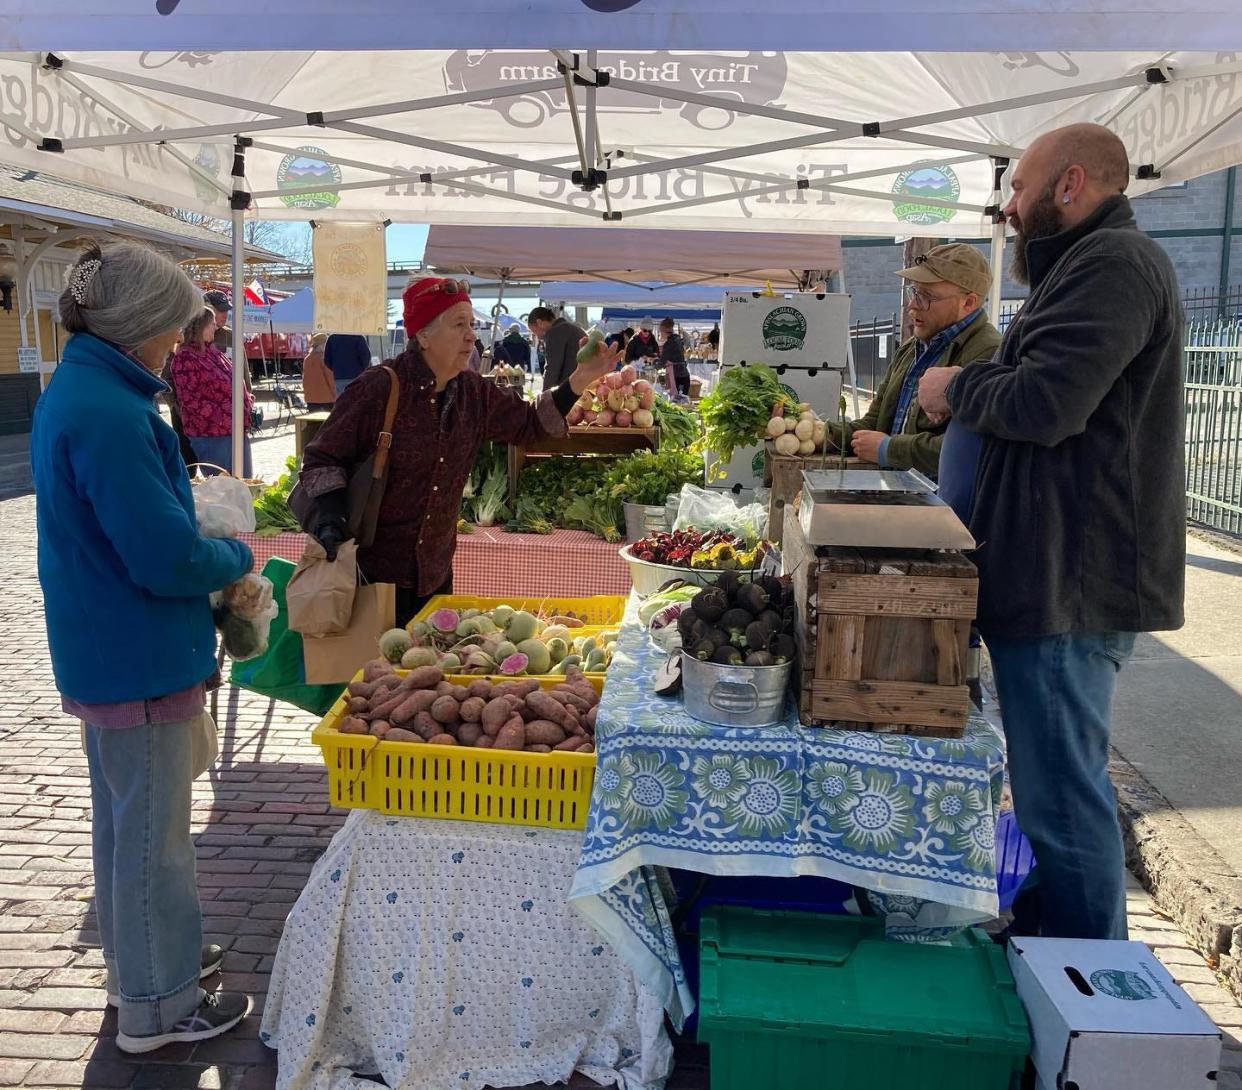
335,659
320,595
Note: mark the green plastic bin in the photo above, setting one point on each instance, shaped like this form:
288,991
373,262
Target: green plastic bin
799,1000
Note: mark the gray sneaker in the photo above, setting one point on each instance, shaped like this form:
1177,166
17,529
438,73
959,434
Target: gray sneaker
212,959
218,1013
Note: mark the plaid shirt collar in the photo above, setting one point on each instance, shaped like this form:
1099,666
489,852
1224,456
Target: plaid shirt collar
941,339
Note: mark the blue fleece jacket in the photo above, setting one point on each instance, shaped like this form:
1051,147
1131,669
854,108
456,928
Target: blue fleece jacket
124,570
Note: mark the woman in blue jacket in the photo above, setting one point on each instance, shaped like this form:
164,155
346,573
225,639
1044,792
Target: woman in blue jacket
125,576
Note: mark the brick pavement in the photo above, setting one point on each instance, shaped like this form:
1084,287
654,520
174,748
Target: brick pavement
261,820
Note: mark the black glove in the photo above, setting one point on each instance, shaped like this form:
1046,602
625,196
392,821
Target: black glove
331,527
331,535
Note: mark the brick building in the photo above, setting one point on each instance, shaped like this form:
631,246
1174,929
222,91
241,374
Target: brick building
1188,220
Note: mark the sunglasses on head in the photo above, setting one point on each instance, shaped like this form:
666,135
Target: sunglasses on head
447,287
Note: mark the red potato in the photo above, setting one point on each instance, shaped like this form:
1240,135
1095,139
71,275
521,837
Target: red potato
468,734
537,748
544,733
384,704
512,735
376,669
459,693
472,709
442,688
442,740
412,704
570,699
482,688
591,717
546,707
426,727
380,728
484,742
568,622
495,714
445,710
587,747
570,744
351,724
400,734
425,677
357,704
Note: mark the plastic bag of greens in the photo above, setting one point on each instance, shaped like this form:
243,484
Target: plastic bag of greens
243,613
706,509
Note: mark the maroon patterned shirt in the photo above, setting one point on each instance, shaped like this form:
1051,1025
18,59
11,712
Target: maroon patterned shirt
435,440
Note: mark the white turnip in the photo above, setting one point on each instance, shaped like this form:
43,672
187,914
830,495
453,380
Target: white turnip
640,385
590,416
631,404
776,427
628,374
623,419
616,400
605,418
806,447
626,389
644,418
804,430
786,444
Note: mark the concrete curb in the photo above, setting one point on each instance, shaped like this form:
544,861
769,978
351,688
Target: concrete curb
1187,879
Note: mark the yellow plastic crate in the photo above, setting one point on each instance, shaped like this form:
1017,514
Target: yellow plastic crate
602,609
414,779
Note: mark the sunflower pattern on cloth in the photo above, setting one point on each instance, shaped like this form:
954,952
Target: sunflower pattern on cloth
911,819
444,953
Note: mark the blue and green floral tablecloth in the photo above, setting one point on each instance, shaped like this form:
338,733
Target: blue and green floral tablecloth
911,820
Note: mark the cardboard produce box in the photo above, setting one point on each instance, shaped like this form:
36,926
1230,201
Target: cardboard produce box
1108,1016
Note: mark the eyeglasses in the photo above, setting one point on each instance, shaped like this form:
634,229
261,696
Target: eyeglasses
447,287
921,300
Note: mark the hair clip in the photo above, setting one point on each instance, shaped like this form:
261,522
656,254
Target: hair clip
80,277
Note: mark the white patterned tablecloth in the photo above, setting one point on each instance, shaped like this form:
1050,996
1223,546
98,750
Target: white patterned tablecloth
444,954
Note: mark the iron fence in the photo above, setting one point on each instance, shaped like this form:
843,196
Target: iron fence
1212,399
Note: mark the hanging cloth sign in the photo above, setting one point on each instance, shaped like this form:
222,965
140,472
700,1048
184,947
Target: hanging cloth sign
351,278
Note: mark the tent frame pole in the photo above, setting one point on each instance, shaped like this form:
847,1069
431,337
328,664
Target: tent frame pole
997,261
237,345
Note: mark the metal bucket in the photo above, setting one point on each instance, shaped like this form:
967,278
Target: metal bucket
734,696
641,520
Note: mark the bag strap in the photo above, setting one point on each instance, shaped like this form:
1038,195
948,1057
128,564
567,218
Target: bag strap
384,442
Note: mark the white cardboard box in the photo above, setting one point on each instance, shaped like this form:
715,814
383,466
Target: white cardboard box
804,329
1108,1016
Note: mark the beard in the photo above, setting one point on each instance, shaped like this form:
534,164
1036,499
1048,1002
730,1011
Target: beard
1043,219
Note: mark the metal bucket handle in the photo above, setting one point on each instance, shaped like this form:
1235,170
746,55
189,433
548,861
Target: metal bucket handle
734,685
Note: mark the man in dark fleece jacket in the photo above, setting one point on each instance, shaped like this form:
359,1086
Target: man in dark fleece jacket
1078,506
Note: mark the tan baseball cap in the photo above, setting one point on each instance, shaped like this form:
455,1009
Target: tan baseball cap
955,263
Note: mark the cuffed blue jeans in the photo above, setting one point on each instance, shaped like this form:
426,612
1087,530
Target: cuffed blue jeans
146,896
1056,696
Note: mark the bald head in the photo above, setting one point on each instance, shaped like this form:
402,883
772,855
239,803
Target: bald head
1097,151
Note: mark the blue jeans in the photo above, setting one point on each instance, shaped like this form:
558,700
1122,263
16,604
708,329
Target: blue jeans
342,384
1056,695
218,450
146,896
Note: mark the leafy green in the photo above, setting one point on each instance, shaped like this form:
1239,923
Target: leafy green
595,512
491,504
679,428
648,477
737,411
491,462
271,506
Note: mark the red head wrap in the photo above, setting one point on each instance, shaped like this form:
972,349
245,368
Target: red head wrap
425,300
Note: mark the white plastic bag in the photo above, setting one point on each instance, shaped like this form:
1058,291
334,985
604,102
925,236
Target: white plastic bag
704,509
224,507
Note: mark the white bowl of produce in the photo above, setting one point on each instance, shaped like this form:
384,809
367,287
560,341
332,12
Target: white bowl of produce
648,577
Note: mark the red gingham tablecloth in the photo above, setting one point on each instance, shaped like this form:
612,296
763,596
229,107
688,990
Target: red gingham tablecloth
492,563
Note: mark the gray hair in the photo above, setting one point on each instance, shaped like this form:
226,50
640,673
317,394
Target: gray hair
135,294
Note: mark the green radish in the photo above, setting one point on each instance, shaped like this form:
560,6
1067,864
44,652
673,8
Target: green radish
594,339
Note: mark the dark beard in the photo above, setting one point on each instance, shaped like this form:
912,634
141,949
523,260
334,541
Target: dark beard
1044,219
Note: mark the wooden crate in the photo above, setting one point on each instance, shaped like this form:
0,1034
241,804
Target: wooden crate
882,635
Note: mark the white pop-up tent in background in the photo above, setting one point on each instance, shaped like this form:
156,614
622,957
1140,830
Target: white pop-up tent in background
699,114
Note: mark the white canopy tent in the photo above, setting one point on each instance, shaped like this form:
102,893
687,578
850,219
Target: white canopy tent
586,293
683,122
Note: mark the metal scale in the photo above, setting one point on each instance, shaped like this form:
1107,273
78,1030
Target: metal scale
878,509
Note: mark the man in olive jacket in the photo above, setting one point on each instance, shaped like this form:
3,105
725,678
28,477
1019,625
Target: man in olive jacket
945,295
1078,506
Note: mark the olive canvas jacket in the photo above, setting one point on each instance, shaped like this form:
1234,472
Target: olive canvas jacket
918,444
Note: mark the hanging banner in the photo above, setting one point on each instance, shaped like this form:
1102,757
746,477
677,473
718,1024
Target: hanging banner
351,278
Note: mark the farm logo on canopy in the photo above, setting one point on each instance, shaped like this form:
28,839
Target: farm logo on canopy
309,166
1121,984
784,329
731,80
927,180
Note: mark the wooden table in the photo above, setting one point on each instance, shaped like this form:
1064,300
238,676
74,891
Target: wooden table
782,473
615,442
304,429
